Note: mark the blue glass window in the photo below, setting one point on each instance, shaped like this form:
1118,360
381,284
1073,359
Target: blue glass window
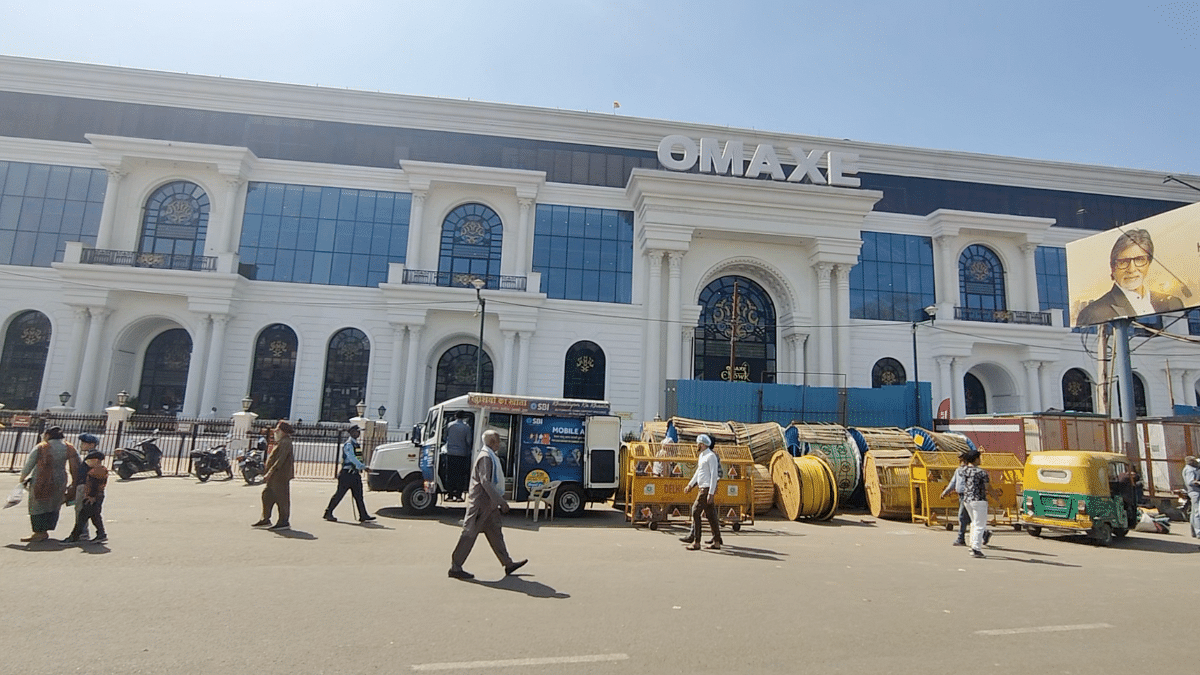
456,371
584,253
274,372
164,372
472,239
175,223
23,361
893,280
583,371
347,362
323,235
1051,264
42,207
1193,318
887,372
981,279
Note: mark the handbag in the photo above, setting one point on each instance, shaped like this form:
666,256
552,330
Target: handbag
15,496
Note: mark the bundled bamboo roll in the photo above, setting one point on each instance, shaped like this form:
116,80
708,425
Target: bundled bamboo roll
654,431
886,479
805,486
832,443
763,439
764,489
689,429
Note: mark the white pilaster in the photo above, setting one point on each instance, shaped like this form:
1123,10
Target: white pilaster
825,363
86,399
108,215
394,387
412,379
506,384
841,321
1031,289
196,369
229,242
78,343
416,213
948,291
1033,398
674,347
958,405
1045,386
522,261
523,338
653,380
212,376
945,383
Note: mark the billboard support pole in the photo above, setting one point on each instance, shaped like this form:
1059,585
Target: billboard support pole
1125,387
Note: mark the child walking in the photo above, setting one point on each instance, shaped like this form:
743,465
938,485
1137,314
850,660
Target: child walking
93,498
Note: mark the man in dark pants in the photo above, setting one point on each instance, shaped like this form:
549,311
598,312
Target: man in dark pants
350,478
705,478
277,488
457,457
485,504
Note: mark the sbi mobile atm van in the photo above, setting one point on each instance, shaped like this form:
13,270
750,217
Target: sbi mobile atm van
571,442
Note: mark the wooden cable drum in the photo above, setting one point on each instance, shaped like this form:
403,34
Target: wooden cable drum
764,489
886,479
654,431
763,439
805,487
832,443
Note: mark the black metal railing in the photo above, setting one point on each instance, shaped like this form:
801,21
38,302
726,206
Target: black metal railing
161,261
1002,316
463,280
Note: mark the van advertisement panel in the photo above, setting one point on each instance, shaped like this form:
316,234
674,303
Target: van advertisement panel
1146,267
538,406
551,450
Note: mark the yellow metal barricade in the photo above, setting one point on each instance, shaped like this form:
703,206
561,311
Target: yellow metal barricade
931,472
735,490
656,476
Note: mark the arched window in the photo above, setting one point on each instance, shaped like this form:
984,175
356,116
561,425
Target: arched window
23,363
738,318
981,282
274,372
346,364
471,243
1139,396
165,371
974,395
174,225
456,373
583,372
1077,391
887,371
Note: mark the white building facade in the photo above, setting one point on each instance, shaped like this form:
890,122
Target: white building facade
194,240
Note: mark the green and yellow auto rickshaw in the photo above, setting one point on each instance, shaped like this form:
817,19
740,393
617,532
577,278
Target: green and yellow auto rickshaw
1078,492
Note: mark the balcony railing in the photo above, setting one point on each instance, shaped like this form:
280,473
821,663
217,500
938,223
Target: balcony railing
1002,316
462,280
160,261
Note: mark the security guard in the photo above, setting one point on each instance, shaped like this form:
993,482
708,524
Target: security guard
349,478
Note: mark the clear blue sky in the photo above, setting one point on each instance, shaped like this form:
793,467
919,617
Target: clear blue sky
1110,82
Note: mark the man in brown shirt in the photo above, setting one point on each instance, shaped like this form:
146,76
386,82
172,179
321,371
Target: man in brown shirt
278,477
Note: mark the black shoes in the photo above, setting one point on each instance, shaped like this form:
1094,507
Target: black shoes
987,536
687,540
366,519
959,542
100,538
976,553
329,516
280,526
716,546
262,523
459,574
509,569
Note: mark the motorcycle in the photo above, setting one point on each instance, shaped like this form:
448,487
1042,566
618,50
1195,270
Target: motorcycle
250,462
144,456
210,461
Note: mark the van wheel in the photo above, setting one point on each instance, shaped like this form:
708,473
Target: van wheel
1120,532
415,499
1102,533
569,502
1033,530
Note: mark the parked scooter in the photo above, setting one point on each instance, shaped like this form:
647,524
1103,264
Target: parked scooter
213,460
145,456
250,462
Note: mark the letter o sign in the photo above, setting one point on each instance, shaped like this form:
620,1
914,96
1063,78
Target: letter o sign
670,144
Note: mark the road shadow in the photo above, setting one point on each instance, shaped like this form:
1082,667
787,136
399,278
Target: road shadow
40,546
750,553
1132,542
991,555
517,583
295,534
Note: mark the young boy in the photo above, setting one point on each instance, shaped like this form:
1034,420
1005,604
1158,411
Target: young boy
93,498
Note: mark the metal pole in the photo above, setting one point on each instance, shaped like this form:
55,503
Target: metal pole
916,377
1125,388
479,350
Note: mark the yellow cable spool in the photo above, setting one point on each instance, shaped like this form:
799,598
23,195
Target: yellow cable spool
805,487
886,480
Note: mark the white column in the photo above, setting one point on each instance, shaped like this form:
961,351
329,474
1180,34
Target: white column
949,271
86,399
507,383
825,362
212,376
108,215
233,186
842,320
78,343
412,393
416,212
523,361
1033,398
394,388
1185,393
1049,399
687,338
194,391
653,373
958,405
674,262
522,260
1031,289
793,364
945,386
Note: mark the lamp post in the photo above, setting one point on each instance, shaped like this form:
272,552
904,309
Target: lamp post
64,397
122,398
931,312
479,284
361,407
246,403
382,411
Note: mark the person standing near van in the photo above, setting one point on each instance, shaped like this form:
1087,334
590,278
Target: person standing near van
277,488
705,478
1191,483
350,478
457,458
485,505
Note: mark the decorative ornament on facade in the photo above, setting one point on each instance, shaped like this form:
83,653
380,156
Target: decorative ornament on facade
177,357
151,260
743,325
32,335
180,210
472,232
740,373
349,350
584,363
279,348
980,271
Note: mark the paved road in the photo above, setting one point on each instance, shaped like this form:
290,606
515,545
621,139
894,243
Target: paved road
186,586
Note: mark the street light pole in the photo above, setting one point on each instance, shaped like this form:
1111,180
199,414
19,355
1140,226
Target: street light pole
931,311
479,284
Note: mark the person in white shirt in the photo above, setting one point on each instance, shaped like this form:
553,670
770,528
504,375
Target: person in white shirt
705,478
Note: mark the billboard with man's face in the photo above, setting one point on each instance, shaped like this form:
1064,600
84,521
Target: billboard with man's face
1147,267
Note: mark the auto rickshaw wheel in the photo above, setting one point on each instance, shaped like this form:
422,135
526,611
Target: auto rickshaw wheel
653,525
1034,530
737,527
1102,532
1120,532
949,526
1017,526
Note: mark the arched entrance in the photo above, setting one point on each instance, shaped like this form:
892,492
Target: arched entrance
164,372
23,362
737,326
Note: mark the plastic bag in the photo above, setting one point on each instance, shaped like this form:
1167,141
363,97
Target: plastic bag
15,496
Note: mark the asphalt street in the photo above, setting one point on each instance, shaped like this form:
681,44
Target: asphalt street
185,585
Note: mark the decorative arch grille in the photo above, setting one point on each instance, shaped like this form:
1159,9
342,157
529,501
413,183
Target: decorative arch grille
23,363
174,226
737,325
583,372
887,371
975,395
346,364
165,371
456,373
274,372
981,279
471,243
1077,391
